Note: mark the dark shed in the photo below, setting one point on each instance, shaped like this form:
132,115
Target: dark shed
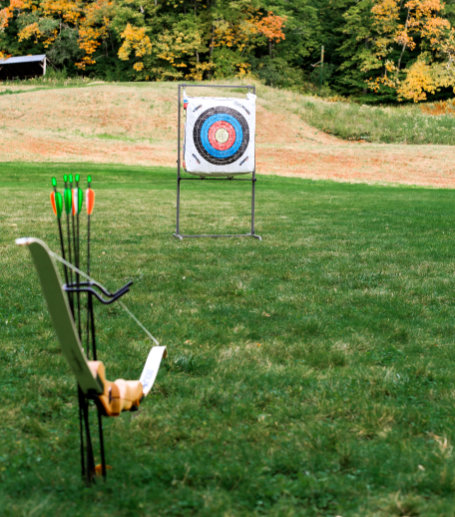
22,67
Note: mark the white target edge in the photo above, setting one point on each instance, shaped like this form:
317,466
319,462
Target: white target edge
193,161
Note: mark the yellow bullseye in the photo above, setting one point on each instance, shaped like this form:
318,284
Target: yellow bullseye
221,135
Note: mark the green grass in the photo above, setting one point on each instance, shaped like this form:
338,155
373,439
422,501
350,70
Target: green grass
385,124
308,374
405,124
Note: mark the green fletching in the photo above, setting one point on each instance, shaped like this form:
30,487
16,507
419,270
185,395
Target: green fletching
80,199
68,200
59,204
77,178
65,178
71,178
89,180
54,182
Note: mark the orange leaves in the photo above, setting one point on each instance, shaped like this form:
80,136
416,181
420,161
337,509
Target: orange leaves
421,19
424,18
418,83
89,41
271,26
5,15
415,45
8,12
243,69
239,34
93,28
403,38
234,35
225,35
70,12
91,20
30,31
33,30
165,39
136,42
386,14
422,9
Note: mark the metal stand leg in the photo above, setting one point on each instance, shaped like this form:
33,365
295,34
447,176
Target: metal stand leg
177,226
179,179
253,206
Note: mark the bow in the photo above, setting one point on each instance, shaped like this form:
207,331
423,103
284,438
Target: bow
111,398
64,304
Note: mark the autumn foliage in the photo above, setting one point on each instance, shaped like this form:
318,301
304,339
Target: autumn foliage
182,44
415,48
399,50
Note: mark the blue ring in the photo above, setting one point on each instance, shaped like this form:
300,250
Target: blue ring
227,153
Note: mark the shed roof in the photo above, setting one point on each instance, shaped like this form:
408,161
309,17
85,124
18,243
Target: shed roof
23,59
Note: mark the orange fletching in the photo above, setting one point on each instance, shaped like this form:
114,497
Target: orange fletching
54,207
98,470
90,200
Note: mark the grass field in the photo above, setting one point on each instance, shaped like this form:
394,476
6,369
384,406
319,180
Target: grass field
431,123
308,374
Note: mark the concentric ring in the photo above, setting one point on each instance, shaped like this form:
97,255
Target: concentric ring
221,135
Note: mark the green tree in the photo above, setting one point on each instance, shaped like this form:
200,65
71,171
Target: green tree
355,49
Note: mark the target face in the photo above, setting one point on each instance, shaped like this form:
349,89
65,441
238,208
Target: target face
219,135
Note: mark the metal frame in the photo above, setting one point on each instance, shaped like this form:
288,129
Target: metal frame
181,178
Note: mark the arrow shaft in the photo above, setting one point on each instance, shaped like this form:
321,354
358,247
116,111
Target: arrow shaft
62,247
70,258
76,260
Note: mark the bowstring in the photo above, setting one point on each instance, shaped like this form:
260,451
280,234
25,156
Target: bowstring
90,279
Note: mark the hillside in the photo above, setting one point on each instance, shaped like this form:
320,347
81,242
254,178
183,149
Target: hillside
136,123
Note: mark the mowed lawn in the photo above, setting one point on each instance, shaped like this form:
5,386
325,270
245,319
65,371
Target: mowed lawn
312,373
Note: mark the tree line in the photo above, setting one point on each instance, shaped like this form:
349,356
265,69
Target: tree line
385,50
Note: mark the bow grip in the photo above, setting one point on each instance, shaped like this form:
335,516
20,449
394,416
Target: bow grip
117,396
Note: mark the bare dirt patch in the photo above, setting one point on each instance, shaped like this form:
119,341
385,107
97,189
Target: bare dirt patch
131,124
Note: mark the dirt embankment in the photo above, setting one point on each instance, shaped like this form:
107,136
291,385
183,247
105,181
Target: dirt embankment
138,125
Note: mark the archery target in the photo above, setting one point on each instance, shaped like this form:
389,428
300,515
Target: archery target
219,135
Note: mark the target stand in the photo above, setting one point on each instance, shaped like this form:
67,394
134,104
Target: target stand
218,144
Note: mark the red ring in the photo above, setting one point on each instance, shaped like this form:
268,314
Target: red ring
221,146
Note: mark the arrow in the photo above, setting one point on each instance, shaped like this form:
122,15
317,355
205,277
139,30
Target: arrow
72,209
67,195
77,197
56,200
90,204
57,207
89,197
76,206
67,198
